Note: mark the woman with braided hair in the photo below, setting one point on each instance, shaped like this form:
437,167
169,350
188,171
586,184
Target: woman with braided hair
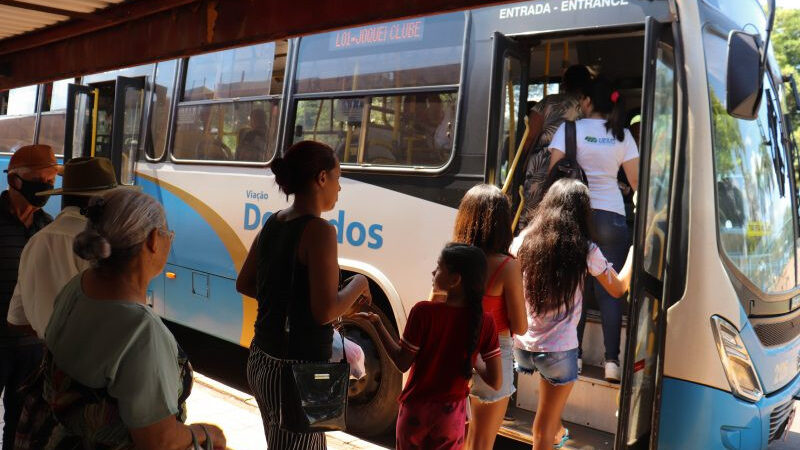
440,344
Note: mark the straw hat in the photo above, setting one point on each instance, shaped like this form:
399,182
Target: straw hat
87,176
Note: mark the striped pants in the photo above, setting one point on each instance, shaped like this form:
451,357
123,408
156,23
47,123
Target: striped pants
264,378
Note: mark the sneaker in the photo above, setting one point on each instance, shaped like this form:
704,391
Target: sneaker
612,371
580,365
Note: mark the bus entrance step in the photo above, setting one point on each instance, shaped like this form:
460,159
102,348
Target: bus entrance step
582,437
592,402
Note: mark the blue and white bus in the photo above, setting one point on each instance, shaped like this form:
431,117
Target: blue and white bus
420,110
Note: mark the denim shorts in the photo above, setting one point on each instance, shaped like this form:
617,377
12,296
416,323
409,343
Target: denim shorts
483,391
556,367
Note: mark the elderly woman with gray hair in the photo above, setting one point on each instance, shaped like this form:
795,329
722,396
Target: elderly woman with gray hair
114,376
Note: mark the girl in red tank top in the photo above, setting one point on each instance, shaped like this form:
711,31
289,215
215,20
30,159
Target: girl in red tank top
484,220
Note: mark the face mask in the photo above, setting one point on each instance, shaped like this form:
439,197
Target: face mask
29,190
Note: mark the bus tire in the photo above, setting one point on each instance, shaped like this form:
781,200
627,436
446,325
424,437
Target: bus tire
372,403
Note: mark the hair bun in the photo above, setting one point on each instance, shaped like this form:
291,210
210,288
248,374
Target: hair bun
283,175
91,246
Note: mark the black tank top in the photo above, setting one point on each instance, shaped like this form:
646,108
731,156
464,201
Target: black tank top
278,296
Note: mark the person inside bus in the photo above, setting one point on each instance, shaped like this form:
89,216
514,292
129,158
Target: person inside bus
556,255
440,345
603,146
294,260
484,220
195,140
114,370
252,141
543,121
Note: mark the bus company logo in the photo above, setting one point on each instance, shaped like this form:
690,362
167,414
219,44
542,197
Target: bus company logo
353,233
591,139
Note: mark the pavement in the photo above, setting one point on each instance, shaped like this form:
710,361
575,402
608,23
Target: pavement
237,414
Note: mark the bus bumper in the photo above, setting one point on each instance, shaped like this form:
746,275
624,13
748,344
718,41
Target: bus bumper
698,416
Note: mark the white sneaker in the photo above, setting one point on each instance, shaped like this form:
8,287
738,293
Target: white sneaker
612,371
580,365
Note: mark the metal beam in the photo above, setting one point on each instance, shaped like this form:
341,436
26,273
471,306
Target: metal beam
112,16
197,27
51,10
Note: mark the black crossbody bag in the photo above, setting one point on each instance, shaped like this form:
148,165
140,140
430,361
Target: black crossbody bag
568,166
313,394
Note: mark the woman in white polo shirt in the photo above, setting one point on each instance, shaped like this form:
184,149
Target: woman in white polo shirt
603,146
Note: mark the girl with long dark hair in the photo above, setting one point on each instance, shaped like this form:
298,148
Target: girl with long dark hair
484,220
440,345
556,254
603,146
293,271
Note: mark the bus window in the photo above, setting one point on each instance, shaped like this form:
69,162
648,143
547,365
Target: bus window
17,117
163,92
754,210
403,129
52,121
661,144
336,122
235,131
230,105
240,72
412,130
409,53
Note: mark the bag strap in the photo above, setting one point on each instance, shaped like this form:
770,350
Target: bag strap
571,140
287,322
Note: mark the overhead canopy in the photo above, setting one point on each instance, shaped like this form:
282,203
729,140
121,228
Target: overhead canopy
41,42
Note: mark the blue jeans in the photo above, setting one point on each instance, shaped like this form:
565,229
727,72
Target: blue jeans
558,368
612,235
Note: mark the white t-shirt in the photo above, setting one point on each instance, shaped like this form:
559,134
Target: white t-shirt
600,155
47,263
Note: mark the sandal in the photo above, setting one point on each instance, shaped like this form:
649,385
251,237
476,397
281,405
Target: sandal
564,439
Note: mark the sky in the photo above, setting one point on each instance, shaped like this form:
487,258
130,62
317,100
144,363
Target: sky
788,4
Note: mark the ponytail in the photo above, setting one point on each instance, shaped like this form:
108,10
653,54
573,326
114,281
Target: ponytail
608,101
470,263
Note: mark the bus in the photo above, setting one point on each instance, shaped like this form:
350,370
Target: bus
419,110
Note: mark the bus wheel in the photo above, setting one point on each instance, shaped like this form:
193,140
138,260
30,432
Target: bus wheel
372,401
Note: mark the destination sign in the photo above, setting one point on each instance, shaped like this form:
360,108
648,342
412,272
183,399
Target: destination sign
376,35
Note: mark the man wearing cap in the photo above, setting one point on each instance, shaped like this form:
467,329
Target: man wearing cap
48,262
32,169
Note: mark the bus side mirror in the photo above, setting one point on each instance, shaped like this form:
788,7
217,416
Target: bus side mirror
745,75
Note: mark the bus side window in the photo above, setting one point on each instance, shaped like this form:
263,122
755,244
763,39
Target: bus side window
17,117
229,108
54,114
372,128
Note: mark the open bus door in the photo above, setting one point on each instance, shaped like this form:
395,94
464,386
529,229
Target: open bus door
643,367
126,126
105,119
81,121
507,109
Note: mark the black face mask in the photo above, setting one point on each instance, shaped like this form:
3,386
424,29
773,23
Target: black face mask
29,190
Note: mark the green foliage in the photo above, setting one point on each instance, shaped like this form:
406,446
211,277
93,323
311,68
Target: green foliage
786,46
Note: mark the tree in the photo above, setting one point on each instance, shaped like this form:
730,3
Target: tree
786,46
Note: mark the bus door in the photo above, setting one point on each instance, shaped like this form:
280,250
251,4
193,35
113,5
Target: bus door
81,121
126,126
638,411
105,119
508,97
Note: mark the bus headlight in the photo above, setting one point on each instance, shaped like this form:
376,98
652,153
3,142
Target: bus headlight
736,361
